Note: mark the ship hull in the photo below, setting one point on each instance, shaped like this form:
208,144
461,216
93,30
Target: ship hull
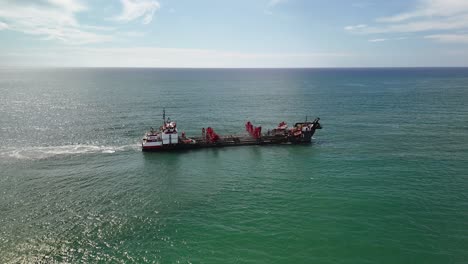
168,139
233,142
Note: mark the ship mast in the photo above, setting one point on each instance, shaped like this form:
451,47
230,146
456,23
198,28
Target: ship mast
164,116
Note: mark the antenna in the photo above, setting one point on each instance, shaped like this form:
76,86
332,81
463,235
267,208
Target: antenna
164,115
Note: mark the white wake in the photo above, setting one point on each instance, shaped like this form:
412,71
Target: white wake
34,153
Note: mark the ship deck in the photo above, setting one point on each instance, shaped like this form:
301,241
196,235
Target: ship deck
239,140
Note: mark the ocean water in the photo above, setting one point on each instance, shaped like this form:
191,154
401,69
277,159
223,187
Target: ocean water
385,180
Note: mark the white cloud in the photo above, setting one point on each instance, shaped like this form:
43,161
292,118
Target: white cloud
50,19
134,9
428,15
355,27
450,23
430,8
69,5
377,40
449,38
3,26
386,39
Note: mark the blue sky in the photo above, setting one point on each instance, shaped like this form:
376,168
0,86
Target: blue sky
256,33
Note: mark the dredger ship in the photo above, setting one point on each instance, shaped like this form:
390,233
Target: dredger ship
167,137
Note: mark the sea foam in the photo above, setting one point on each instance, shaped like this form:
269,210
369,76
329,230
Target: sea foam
36,153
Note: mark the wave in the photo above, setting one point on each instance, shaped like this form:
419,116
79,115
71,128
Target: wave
36,153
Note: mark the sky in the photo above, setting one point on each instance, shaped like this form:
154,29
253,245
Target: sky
241,33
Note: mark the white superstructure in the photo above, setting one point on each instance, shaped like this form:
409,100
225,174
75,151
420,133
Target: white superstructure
166,136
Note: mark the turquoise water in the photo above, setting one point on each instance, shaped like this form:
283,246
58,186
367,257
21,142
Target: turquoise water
385,180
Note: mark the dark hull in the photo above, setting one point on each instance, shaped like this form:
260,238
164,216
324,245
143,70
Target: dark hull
236,141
